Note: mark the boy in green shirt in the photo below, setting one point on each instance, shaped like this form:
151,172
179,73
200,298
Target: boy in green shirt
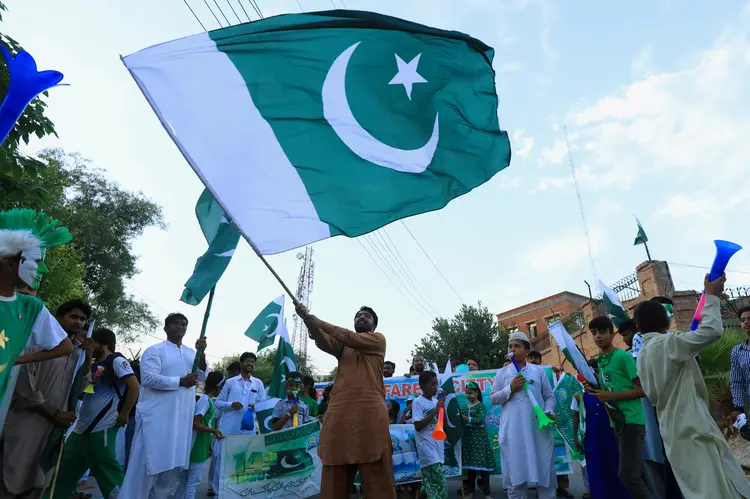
308,395
204,431
621,393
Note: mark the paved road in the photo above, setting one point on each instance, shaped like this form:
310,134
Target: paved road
576,487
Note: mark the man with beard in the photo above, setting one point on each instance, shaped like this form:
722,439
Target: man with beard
389,368
41,411
418,365
238,394
164,414
103,412
355,436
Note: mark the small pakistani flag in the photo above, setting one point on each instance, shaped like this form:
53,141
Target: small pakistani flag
264,413
613,306
309,126
268,324
453,423
222,238
284,363
641,237
570,350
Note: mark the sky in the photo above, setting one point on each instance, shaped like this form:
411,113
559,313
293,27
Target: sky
653,95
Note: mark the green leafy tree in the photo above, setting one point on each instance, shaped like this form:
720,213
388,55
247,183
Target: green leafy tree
104,220
20,175
714,364
65,279
224,363
472,333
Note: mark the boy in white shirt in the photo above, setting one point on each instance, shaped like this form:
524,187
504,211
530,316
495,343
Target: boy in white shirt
431,452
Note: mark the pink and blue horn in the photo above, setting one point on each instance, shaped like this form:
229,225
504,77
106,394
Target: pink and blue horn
725,250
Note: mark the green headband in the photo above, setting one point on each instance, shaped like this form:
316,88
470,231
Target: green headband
670,313
472,385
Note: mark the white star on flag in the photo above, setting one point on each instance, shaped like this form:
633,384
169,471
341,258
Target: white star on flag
407,74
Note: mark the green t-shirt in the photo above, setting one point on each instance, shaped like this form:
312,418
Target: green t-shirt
199,452
312,405
617,370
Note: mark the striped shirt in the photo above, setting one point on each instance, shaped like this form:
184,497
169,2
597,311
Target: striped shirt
739,374
637,344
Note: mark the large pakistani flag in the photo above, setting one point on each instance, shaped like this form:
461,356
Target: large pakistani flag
268,324
222,238
308,126
613,306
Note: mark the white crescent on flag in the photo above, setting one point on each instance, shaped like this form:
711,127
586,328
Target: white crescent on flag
339,115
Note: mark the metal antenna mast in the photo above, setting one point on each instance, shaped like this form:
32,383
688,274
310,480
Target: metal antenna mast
305,283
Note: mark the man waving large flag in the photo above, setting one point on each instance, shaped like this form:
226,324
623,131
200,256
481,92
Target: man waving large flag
309,126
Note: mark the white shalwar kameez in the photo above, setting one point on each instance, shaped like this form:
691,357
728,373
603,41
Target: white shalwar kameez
248,391
527,453
164,423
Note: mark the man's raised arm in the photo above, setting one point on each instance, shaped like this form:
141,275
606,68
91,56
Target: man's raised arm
322,340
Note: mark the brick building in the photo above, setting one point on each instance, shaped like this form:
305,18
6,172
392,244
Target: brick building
651,278
534,318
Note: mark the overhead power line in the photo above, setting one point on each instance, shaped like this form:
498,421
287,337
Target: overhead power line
255,5
213,14
391,280
432,262
235,12
194,15
406,270
243,10
388,263
708,268
222,13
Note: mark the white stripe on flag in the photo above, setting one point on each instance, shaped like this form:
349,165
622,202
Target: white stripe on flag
226,140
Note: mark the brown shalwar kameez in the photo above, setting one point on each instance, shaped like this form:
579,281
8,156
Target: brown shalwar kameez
355,434
26,432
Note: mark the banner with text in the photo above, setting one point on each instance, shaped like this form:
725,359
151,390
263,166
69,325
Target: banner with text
400,388
275,465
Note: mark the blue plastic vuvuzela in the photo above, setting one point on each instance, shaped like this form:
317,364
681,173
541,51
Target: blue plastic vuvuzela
724,251
25,84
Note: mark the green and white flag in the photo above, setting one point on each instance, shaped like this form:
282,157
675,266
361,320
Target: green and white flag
284,363
309,126
641,237
613,306
453,423
570,350
264,413
222,238
268,324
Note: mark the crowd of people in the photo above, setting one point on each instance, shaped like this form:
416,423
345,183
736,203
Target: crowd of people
643,425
